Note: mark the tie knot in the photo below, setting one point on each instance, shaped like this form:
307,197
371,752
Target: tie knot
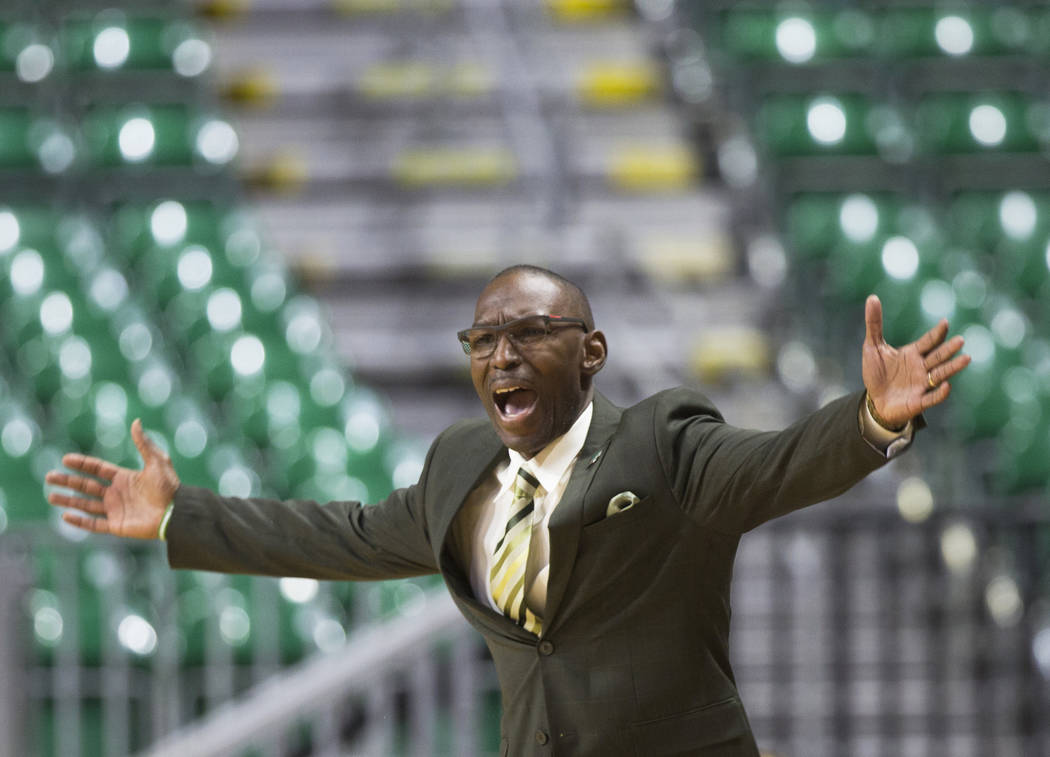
525,484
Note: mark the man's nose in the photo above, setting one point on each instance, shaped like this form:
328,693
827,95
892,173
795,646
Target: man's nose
506,353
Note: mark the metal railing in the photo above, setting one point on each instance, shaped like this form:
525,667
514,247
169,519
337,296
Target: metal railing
854,633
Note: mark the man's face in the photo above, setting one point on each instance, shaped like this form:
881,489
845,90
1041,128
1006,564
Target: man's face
549,382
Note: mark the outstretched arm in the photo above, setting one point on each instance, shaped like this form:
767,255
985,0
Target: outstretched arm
117,500
903,382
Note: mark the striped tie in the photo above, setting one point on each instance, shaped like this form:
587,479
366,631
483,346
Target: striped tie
511,555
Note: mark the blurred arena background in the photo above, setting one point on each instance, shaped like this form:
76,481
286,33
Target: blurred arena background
257,225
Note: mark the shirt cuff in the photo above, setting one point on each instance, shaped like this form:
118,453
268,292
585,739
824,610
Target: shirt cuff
886,442
162,532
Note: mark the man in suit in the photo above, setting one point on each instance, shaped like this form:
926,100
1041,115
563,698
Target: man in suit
592,546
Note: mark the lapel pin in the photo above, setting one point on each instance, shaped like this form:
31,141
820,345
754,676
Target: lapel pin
594,459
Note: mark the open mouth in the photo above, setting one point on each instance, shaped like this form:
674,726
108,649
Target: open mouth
514,401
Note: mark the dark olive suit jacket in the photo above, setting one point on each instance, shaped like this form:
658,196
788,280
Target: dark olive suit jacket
634,655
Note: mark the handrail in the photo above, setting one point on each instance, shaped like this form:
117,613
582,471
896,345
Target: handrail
271,707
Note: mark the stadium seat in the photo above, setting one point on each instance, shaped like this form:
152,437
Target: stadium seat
817,222
15,152
949,31
586,11
652,168
31,141
617,83
819,124
956,123
114,42
25,51
157,135
794,36
1023,445
25,456
980,409
470,165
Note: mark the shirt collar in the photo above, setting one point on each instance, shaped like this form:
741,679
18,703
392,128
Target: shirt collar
550,464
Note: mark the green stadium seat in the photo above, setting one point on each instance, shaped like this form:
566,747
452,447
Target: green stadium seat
986,218
279,413
857,269
816,222
25,456
25,51
821,124
188,434
795,35
110,42
957,123
15,151
167,273
1012,230
1023,445
979,407
802,34
233,474
30,141
268,289
157,135
24,226
940,31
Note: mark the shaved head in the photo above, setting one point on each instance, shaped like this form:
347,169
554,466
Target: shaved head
575,297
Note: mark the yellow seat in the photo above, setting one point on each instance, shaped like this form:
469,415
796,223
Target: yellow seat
455,166
575,11
658,168
617,83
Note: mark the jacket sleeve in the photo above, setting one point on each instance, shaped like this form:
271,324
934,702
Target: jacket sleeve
337,540
733,479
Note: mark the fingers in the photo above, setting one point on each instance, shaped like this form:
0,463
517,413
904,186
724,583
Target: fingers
945,371
93,466
96,525
936,396
873,320
932,338
83,485
92,506
942,353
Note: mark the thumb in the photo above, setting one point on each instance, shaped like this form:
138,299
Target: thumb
147,449
873,320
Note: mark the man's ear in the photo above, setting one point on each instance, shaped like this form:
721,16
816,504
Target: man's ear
595,351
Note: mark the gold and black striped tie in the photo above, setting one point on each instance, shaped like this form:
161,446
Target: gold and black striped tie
511,556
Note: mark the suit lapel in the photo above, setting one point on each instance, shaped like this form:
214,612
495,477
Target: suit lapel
479,453
567,519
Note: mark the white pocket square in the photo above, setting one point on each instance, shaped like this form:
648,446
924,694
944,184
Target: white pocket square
621,502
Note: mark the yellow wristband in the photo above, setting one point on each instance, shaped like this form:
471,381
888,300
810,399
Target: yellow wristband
878,418
162,532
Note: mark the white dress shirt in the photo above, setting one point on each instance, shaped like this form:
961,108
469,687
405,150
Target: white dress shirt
491,500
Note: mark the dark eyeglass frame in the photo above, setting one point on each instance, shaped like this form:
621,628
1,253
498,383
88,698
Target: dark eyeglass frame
548,321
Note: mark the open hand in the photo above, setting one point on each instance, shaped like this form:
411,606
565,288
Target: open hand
125,502
903,382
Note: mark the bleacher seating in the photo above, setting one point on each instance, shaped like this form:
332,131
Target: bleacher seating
923,236
120,303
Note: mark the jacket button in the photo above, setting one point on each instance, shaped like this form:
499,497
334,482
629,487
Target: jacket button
546,648
541,737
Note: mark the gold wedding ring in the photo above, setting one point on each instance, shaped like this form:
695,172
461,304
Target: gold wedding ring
929,380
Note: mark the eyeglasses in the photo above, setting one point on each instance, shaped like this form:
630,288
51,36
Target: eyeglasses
481,341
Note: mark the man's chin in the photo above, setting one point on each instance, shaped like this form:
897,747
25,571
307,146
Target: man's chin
526,442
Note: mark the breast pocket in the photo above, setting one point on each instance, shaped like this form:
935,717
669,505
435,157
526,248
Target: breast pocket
623,520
